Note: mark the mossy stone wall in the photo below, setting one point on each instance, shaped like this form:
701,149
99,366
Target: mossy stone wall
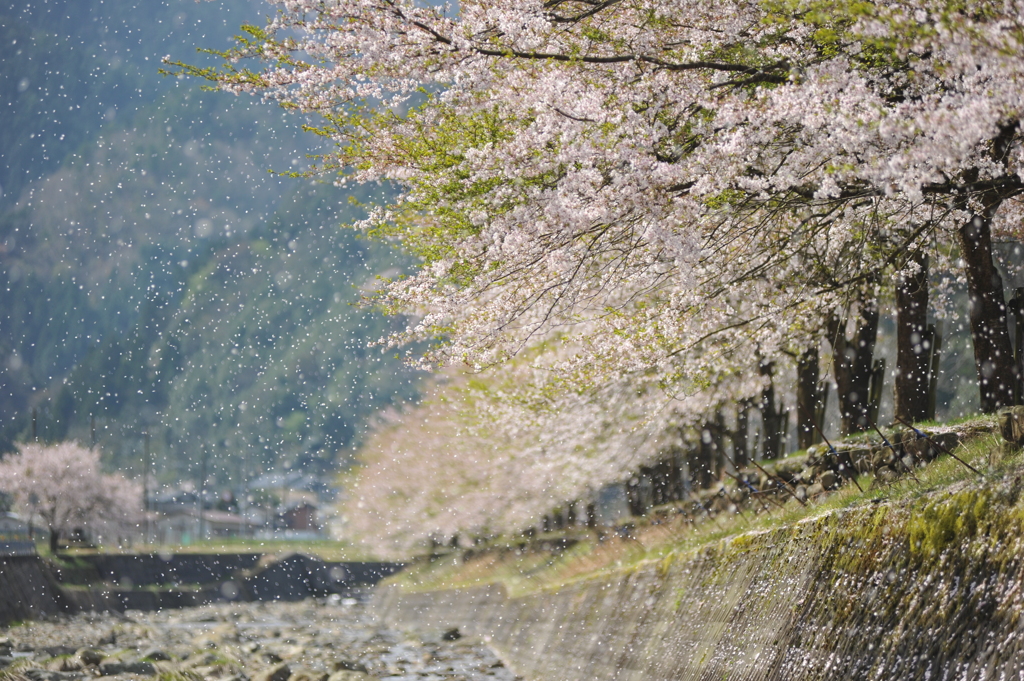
928,588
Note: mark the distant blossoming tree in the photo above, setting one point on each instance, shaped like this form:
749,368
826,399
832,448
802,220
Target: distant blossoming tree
62,484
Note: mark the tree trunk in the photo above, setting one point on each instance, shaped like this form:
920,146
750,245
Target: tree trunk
701,465
668,482
993,356
740,439
772,418
910,390
807,398
852,365
715,431
54,542
1017,308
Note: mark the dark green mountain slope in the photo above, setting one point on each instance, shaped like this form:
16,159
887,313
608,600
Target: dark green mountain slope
153,275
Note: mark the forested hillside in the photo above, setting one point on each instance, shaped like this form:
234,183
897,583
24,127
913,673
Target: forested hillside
156,277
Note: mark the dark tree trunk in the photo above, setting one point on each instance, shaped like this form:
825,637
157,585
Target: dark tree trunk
54,541
667,481
807,398
993,355
636,494
773,419
740,438
1017,308
701,464
714,435
852,365
913,354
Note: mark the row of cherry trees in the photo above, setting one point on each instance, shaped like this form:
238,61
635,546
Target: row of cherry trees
664,203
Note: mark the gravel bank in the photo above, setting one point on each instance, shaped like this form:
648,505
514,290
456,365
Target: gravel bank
323,640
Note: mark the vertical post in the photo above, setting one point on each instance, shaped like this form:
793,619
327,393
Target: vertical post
240,500
145,484
202,492
933,372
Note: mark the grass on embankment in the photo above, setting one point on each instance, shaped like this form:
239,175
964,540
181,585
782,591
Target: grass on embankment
529,570
325,549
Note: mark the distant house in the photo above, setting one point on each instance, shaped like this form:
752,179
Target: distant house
183,525
300,515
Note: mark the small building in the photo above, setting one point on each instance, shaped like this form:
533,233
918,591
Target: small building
300,515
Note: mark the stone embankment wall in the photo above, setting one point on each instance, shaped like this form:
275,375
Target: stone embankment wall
147,569
929,588
28,590
33,588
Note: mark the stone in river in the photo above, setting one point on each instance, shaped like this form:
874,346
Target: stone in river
279,672
348,675
307,675
115,667
349,666
156,655
90,657
65,663
140,667
44,675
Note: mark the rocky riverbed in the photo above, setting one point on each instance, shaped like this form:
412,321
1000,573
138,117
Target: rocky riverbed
332,639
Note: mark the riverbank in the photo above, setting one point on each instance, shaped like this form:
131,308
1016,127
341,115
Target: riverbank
918,578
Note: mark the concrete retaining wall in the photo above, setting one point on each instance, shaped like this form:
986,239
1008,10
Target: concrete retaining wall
930,590
146,569
31,588
28,590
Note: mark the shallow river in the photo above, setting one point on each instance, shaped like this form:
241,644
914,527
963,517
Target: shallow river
334,639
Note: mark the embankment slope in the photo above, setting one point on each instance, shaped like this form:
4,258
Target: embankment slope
924,586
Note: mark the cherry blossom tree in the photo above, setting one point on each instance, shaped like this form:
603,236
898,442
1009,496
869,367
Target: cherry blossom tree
657,202
494,453
639,176
62,484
